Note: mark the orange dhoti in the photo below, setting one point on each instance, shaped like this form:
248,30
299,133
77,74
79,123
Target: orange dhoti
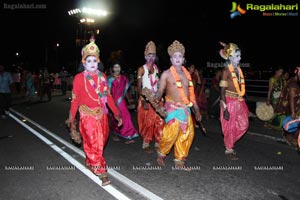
150,124
178,131
94,130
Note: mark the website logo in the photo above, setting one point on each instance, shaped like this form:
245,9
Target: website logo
236,10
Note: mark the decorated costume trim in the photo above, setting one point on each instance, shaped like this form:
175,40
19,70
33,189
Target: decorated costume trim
239,85
187,102
101,81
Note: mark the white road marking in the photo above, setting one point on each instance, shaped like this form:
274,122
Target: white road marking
110,189
267,136
123,179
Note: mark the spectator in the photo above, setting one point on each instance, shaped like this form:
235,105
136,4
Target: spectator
5,91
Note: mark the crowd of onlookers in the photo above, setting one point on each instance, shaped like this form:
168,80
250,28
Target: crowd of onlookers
32,85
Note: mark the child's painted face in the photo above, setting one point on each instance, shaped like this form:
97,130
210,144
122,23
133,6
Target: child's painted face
91,64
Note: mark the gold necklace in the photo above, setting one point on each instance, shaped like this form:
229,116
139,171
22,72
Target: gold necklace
86,89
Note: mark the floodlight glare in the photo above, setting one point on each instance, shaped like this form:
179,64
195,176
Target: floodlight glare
94,11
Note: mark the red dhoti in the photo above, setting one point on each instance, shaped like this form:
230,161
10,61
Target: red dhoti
94,130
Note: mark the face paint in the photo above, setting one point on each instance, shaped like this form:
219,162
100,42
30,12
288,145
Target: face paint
177,59
236,58
91,64
150,58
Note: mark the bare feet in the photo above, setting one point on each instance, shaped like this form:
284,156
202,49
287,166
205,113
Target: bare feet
105,181
160,161
182,167
129,142
231,156
148,150
116,138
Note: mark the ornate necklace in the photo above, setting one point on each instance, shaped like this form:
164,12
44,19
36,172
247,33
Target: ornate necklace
237,83
187,102
102,96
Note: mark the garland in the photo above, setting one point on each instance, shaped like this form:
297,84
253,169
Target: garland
150,76
237,83
102,96
187,102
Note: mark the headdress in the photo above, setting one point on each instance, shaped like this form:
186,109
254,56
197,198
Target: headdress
228,50
90,49
150,48
176,47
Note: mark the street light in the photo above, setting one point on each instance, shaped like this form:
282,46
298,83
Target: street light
57,53
88,18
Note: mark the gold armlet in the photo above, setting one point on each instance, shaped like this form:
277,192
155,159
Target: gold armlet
223,83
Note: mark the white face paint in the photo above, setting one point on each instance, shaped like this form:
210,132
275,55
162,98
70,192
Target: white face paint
116,69
91,64
177,59
150,58
236,58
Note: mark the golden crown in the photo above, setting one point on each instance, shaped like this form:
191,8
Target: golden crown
90,49
176,46
228,50
150,48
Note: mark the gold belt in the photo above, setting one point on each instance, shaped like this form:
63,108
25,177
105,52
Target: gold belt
95,112
233,95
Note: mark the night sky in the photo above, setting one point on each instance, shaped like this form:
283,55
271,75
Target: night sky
265,41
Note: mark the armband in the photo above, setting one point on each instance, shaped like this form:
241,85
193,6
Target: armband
223,83
139,77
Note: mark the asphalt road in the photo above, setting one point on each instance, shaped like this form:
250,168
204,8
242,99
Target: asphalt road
39,161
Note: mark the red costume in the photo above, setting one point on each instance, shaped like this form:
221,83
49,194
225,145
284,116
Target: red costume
90,93
93,125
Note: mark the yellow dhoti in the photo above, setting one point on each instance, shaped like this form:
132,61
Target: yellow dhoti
177,134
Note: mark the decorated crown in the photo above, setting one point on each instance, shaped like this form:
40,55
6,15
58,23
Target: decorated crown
176,47
150,48
228,50
90,49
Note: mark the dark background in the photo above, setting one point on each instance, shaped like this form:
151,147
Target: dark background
265,41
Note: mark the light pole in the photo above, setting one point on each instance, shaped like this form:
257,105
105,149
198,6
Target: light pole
57,53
